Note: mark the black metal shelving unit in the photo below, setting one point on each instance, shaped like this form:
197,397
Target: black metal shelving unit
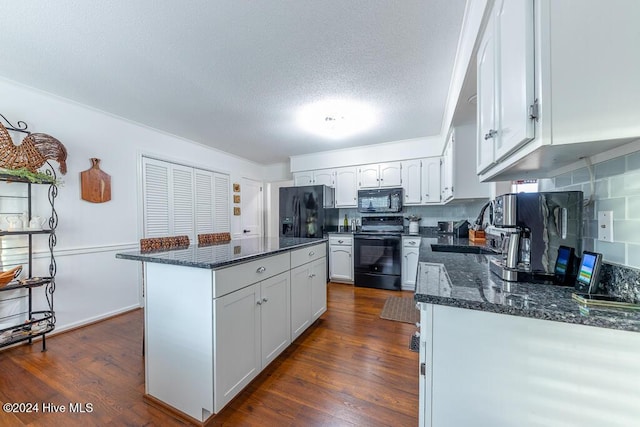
39,322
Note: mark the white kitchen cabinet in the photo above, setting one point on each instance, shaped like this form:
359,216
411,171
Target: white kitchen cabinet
412,181
459,178
275,316
533,372
505,81
302,178
341,258
308,295
410,253
585,81
318,288
251,328
383,175
421,181
447,169
308,287
317,177
346,187
430,180
237,343
324,177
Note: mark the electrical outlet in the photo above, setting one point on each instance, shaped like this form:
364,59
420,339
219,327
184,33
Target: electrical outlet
605,226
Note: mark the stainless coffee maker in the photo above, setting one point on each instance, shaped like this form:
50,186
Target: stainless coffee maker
535,225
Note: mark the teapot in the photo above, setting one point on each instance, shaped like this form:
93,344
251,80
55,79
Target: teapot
36,222
14,223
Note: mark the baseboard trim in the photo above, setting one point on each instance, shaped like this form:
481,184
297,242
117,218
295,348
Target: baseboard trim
95,319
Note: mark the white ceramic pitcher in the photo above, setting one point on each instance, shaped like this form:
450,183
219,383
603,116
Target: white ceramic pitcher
36,222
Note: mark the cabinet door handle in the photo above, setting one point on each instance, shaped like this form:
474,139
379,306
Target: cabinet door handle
312,253
264,300
411,242
259,302
340,241
312,275
491,134
261,270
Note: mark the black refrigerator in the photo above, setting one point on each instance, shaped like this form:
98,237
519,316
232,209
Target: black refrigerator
307,211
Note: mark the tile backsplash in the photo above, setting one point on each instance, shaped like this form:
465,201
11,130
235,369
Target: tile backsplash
616,188
468,209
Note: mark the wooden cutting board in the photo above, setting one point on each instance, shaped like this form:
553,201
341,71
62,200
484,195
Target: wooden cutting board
95,184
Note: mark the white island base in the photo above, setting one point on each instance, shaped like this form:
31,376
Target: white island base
208,333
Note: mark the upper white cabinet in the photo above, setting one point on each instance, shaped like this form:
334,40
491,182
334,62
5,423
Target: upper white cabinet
318,177
430,177
303,178
411,181
584,79
380,175
346,187
459,179
505,82
447,170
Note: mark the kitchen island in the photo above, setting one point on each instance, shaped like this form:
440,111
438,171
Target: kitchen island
216,315
496,353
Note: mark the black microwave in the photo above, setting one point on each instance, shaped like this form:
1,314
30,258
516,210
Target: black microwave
383,200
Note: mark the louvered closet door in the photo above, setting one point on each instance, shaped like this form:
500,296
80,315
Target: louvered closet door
204,201
182,201
221,203
156,217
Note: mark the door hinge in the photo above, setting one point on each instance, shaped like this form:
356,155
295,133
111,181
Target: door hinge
533,111
423,369
260,188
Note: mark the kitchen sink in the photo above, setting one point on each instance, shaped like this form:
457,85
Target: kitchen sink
464,249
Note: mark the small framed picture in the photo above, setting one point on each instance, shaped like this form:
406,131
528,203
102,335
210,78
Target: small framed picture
236,198
236,187
236,211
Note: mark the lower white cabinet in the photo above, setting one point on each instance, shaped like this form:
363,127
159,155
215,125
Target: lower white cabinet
251,328
206,339
410,253
488,369
308,295
341,258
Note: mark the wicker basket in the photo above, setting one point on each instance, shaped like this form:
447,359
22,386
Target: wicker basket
24,156
9,275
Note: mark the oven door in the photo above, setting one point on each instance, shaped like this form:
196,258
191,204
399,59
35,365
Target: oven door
377,261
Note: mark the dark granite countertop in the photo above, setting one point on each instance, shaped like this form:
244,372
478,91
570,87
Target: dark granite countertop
463,280
224,254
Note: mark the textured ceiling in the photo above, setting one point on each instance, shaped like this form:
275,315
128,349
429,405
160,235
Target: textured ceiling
232,74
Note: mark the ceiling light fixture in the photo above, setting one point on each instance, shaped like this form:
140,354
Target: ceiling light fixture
336,118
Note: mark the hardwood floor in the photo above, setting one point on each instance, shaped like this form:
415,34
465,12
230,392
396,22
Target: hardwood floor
351,368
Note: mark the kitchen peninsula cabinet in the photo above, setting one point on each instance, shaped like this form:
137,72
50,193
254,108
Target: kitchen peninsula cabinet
524,372
215,318
585,83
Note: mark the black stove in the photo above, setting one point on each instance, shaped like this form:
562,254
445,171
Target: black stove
377,250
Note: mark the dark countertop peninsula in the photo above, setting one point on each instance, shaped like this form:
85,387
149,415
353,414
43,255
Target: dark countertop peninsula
463,280
222,255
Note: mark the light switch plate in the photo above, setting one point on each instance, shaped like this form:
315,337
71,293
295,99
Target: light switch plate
605,226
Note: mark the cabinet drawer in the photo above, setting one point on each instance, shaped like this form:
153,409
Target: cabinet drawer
308,254
231,279
411,242
340,240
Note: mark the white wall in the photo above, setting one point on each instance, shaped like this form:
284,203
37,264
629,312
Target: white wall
91,283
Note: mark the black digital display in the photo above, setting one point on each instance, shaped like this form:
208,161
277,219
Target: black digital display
589,272
564,269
